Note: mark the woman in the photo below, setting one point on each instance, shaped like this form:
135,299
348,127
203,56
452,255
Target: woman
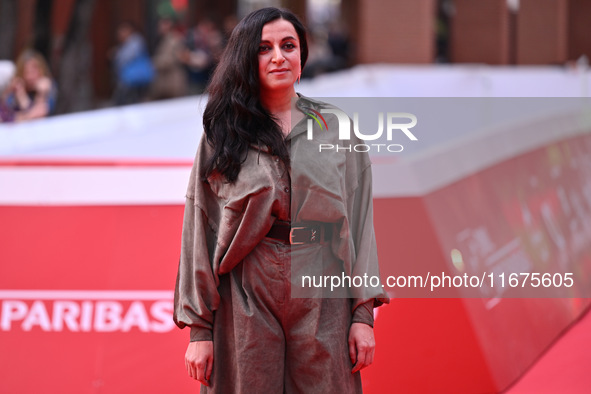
32,93
256,210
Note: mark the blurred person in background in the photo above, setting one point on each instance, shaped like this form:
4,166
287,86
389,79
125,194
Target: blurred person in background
32,93
228,25
171,78
340,45
329,50
6,74
204,45
320,55
133,68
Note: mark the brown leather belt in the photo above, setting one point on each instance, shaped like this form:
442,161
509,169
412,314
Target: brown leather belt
298,234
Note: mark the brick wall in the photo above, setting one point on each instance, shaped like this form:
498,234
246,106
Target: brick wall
480,32
400,31
579,29
542,31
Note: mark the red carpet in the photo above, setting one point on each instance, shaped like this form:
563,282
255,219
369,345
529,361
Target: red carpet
565,368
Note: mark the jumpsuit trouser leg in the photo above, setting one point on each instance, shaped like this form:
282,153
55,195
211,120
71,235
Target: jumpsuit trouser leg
267,342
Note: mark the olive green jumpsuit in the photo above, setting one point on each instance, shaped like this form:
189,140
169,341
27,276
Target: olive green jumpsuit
234,284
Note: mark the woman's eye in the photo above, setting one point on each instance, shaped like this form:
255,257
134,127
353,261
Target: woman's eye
289,45
263,48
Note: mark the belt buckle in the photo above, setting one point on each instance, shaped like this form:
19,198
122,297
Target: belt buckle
291,236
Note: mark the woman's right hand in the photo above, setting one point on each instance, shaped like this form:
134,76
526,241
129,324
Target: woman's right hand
199,360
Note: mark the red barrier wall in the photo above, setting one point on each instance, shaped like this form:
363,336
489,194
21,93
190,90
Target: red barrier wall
86,290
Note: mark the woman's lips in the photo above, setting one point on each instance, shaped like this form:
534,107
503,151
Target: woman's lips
279,71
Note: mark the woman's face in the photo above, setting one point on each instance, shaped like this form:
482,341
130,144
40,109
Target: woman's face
279,56
32,72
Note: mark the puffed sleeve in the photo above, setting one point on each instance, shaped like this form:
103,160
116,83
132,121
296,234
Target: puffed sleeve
360,207
196,296
222,223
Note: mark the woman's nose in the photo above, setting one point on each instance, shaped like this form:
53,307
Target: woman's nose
277,56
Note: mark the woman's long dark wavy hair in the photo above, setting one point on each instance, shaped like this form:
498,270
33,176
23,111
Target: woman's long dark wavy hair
234,116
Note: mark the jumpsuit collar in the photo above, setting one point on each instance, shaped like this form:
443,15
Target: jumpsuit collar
302,103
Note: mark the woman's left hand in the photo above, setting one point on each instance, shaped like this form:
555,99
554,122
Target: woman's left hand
361,345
